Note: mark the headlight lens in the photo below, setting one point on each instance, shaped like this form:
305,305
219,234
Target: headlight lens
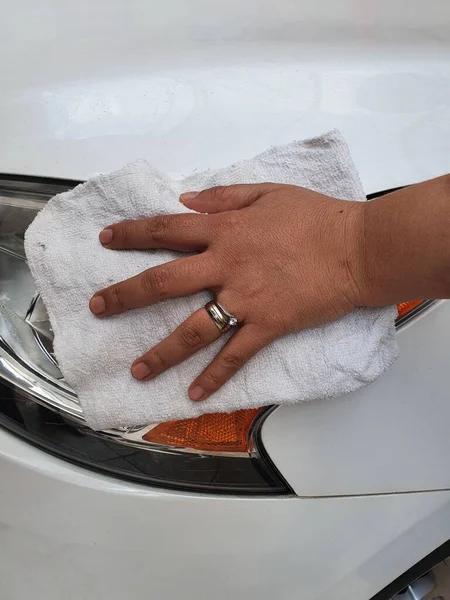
219,453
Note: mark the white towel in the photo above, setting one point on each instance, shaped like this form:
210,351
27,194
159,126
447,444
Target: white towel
69,265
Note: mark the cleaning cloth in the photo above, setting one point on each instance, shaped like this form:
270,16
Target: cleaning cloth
69,265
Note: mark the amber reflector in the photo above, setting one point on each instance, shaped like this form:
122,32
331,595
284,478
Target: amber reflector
221,432
405,307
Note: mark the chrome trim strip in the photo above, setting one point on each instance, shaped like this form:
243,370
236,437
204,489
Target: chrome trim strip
426,304
38,387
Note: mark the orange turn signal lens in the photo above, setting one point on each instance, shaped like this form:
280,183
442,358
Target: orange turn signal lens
406,307
221,432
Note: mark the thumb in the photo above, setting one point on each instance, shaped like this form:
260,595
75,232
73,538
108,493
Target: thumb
226,197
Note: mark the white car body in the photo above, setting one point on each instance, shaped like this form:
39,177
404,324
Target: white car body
188,84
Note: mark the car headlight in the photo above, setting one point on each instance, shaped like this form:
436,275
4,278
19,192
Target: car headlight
217,453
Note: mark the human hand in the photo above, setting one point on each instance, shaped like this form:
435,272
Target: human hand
280,258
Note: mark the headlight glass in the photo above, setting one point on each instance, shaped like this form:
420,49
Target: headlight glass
218,453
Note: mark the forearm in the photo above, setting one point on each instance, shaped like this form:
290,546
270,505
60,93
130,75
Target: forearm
406,245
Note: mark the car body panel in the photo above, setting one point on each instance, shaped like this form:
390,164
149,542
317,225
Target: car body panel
390,437
191,85
67,533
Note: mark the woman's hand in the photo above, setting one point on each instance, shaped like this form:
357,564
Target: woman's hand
280,258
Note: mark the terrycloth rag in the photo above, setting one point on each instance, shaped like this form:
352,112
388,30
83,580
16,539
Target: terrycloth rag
69,265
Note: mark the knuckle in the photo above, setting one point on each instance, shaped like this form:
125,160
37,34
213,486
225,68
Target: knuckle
157,360
234,223
233,219
212,379
157,228
268,186
155,282
231,260
217,193
231,362
125,232
190,337
117,298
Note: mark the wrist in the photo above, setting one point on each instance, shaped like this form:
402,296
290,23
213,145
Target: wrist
398,245
356,262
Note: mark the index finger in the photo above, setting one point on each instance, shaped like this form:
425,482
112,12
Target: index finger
185,233
180,277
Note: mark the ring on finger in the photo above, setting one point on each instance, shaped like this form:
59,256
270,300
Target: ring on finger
221,318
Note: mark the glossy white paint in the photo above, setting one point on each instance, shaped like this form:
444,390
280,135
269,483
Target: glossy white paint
192,84
65,533
197,84
389,437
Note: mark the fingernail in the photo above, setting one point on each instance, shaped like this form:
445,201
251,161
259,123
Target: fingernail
188,196
196,393
106,236
97,305
140,370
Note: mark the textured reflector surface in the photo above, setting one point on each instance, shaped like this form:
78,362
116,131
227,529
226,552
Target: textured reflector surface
405,307
221,432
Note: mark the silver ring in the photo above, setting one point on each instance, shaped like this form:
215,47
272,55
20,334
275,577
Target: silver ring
222,319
